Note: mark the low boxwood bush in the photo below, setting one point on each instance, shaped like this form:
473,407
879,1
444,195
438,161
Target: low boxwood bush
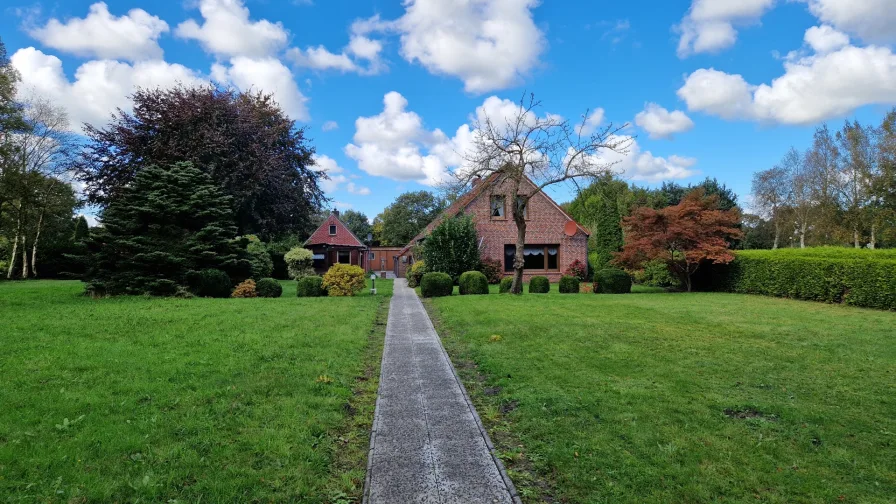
612,281
245,290
415,273
569,285
860,278
212,283
539,285
436,285
344,280
268,288
310,286
473,282
505,285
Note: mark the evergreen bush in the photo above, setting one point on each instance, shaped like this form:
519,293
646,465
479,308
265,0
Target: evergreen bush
612,281
452,247
569,285
268,288
436,285
259,258
310,286
473,282
505,285
416,272
299,262
344,280
212,283
246,289
539,285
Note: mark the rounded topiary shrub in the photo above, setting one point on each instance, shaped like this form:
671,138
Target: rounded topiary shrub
569,285
245,290
213,283
268,288
539,285
473,282
505,285
310,286
612,281
344,280
436,285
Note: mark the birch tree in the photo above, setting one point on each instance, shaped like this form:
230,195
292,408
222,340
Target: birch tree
857,172
773,191
547,150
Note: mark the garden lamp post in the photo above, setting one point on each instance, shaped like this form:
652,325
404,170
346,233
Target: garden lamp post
373,286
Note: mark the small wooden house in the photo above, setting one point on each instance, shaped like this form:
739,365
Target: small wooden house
333,243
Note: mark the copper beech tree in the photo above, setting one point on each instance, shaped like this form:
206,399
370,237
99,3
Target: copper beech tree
684,236
545,151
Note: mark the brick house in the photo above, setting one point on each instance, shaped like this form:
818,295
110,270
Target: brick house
333,243
553,239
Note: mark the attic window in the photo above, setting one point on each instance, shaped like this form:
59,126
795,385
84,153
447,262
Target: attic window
497,207
332,229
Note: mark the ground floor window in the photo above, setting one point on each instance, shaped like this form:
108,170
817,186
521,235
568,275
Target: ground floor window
535,257
344,256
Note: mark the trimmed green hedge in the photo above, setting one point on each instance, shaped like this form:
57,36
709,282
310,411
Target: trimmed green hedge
436,285
539,285
212,283
505,285
612,281
268,288
860,278
473,282
569,285
310,286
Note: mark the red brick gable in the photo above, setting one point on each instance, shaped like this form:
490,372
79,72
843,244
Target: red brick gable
343,237
545,214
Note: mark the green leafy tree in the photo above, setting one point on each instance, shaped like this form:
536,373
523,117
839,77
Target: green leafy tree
161,231
407,216
452,247
357,223
601,206
11,120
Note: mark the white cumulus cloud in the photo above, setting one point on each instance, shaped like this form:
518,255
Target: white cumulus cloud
871,20
709,25
99,86
100,34
268,75
227,31
660,123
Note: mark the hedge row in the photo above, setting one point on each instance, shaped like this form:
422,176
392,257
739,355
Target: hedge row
868,281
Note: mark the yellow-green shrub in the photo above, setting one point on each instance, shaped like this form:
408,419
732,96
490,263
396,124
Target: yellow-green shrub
344,280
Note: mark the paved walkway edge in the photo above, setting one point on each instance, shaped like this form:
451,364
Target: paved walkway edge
488,442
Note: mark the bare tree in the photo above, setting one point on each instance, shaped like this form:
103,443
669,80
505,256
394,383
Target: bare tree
772,192
544,150
41,157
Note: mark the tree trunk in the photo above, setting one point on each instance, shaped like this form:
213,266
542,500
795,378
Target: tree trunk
873,242
40,224
24,259
777,233
12,257
803,236
519,260
855,237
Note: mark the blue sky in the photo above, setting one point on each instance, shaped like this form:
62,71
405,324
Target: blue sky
717,88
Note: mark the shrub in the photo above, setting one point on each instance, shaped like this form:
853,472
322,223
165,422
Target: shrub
212,283
656,273
344,280
569,285
418,269
452,247
492,270
612,281
506,284
539,285
245,290
259,258
436,285
268,288
473,282
577,269
299,263
850,277
310,286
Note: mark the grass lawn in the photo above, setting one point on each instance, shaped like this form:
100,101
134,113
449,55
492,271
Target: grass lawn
138,399
657,398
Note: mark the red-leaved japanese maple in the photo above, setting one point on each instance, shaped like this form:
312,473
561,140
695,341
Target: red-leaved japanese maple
684,235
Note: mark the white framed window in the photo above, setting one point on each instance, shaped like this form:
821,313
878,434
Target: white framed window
332,229
497,207
373,256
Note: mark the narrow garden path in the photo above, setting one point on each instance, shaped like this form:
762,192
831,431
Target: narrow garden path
427,444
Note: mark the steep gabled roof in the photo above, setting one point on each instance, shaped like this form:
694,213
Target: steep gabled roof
462,202
343,237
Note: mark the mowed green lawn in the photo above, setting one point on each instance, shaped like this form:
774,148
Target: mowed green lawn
658,398
168,400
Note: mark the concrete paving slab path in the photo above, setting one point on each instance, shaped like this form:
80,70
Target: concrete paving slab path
428,444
